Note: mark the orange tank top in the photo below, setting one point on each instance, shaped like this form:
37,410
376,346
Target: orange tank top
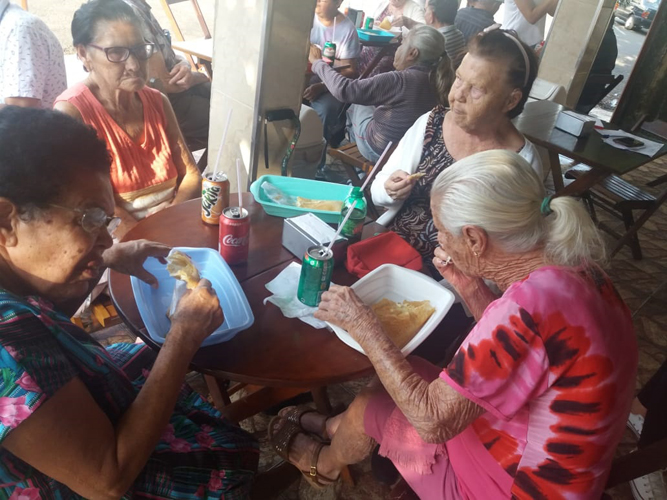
137,167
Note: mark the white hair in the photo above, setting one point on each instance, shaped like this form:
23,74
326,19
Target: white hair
428,41
499,192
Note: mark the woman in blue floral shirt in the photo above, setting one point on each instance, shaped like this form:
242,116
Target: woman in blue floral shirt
76,419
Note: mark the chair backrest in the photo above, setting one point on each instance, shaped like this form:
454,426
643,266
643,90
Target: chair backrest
177,32
657,128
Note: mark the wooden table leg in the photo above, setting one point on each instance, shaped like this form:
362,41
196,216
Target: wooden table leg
260,400
321,399
556,172
583,183
218,391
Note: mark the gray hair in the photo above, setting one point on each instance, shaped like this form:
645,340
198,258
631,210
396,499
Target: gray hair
499,192
429,42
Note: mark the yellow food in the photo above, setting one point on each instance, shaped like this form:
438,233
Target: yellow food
326,205
418,175
401,322
386,24
180,266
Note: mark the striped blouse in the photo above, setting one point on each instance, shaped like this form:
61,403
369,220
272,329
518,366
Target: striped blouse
400,96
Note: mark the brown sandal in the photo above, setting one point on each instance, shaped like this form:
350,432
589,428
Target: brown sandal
294,414
281,442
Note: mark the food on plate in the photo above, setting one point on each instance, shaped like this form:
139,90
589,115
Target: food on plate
385,24
402,321
181,267
326,205
417,175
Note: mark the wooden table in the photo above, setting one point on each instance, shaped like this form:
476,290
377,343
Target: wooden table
538,123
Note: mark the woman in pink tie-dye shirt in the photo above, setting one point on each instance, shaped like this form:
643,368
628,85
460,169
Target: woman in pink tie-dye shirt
535,400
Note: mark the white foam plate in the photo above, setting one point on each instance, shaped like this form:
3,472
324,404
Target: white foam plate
398,284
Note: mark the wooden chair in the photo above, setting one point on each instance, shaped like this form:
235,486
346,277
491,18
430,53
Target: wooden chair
352,159
638,463
621,199
177,33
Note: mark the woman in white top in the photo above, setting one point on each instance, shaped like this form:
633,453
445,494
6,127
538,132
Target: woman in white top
528,18
491,87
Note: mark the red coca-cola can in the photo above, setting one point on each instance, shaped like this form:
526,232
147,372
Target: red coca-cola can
234,235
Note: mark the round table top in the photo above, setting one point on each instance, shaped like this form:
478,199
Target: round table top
275,350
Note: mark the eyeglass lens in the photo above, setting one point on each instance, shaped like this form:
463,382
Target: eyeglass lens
121,54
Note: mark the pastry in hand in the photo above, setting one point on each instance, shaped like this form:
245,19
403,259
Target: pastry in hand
181,267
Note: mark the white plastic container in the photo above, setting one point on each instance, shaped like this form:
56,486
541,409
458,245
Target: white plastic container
398,284
153,303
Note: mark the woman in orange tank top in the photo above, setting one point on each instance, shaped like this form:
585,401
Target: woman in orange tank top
152,167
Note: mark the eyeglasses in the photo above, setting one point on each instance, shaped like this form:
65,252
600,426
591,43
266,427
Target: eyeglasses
93,219
143,52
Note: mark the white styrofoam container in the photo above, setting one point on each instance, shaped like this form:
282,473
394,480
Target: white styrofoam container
398,284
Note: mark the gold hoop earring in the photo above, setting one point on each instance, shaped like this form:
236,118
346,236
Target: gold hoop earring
476,254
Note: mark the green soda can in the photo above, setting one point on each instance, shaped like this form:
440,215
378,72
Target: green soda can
329,53
315,278
355,224
368,23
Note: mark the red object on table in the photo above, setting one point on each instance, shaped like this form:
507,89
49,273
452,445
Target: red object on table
386,248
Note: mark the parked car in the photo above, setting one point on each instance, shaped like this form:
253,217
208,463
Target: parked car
636,14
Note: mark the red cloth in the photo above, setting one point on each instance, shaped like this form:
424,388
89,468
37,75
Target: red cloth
385,248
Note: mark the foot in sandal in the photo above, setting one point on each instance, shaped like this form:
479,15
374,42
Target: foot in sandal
301,450
309,419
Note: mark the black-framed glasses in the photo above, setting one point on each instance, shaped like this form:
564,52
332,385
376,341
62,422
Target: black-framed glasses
143,52
93,219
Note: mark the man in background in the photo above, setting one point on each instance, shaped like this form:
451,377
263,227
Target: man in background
348,50
32,64
476,17
188,91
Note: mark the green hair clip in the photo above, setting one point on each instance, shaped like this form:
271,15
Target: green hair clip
545,208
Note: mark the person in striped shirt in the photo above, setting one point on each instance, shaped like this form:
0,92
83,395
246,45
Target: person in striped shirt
476,17
385,106
441,14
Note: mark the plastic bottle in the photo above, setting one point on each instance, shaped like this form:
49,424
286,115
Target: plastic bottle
355,224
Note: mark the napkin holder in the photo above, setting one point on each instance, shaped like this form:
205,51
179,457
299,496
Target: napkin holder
574,123
307,230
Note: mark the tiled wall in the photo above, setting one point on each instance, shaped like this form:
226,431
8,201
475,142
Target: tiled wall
573,43
260,57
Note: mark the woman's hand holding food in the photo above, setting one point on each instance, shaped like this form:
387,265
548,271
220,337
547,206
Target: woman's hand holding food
129,257
399,185
198,314
342,307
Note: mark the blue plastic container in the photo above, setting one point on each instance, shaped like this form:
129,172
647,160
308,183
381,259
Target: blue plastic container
293,186
375,35
153,303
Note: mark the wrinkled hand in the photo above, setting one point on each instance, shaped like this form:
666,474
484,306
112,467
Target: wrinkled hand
181,75
314,91
315,54
129,257
198,313
342,307
448,270
399,185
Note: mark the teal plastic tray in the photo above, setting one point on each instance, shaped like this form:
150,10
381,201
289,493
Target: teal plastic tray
375,35
293,186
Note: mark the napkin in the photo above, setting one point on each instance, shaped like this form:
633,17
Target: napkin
650,148
284,287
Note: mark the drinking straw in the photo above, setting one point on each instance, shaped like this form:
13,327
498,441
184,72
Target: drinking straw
377,164
224,138
238,180
333,38
341,225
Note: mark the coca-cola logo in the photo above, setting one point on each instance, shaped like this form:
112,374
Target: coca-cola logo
210,197
230,241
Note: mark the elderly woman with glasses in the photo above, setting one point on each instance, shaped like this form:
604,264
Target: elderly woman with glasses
152,166
78,420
